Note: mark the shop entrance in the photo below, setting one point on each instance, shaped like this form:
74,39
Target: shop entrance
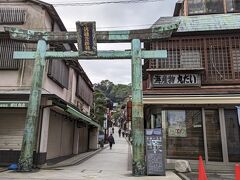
189,132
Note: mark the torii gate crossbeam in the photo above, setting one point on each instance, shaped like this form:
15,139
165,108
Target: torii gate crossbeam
136,54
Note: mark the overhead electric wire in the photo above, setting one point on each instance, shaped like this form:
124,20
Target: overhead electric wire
103,2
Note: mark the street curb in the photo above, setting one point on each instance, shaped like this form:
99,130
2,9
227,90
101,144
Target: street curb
81,160
3,169
183,176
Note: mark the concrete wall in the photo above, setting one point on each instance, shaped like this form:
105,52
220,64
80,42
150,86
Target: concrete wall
93,138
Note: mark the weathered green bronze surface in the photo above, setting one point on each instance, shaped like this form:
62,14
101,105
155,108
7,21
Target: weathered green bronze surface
29,137
100,55
159,32
138,164
211,22
133,36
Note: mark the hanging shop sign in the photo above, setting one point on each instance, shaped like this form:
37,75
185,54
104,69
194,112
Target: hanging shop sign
169,80
13,104
86,38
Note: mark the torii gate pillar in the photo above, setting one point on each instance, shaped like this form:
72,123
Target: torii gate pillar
138,164
26,158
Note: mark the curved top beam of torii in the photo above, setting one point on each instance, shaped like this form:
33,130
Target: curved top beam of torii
163,31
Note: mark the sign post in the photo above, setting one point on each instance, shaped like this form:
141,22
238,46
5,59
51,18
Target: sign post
154,152
87,39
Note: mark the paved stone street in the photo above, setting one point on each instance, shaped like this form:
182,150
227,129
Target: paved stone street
106,165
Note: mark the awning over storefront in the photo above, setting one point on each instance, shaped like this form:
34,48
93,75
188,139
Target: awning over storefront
79,115
192,99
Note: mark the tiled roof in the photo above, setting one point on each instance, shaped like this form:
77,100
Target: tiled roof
203,22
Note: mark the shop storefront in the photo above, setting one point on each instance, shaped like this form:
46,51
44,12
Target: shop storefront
190,130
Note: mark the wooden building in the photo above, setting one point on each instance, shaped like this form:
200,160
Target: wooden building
64,125
194,93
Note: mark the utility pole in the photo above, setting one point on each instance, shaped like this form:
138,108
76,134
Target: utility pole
88,50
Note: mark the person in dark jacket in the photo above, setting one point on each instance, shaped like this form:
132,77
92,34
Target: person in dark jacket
111,141
119,132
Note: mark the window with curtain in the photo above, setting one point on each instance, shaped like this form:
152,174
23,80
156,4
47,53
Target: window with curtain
233,5
190,59
205,6
214,6
196,7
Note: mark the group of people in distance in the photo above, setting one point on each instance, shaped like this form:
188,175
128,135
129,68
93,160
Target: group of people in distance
111,140
122,133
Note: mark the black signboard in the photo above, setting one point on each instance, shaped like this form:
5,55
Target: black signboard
154,152
86,37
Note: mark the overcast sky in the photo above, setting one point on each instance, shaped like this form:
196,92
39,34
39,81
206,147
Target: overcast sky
113,17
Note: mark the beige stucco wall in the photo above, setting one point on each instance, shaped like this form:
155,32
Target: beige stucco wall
38,19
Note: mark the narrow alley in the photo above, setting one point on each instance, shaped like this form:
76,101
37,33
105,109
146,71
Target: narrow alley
107,164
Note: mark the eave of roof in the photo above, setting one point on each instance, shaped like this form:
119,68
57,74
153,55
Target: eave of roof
202,23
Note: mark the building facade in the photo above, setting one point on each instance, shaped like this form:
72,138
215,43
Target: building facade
64,126
194,93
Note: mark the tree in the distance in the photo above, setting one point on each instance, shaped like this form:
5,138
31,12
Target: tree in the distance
99,108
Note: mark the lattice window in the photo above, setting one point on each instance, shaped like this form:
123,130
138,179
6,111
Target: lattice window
185,54
7,47
219,62
12,16
219,55
236,62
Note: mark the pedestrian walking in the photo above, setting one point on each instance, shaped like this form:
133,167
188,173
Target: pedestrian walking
111,141
113,130
119,132
123,133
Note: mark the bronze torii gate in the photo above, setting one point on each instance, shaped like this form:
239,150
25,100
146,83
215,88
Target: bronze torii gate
87,39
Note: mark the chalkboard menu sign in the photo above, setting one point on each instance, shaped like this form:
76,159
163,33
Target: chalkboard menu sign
154,152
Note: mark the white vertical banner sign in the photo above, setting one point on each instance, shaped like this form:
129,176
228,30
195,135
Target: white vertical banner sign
105,122
238,112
